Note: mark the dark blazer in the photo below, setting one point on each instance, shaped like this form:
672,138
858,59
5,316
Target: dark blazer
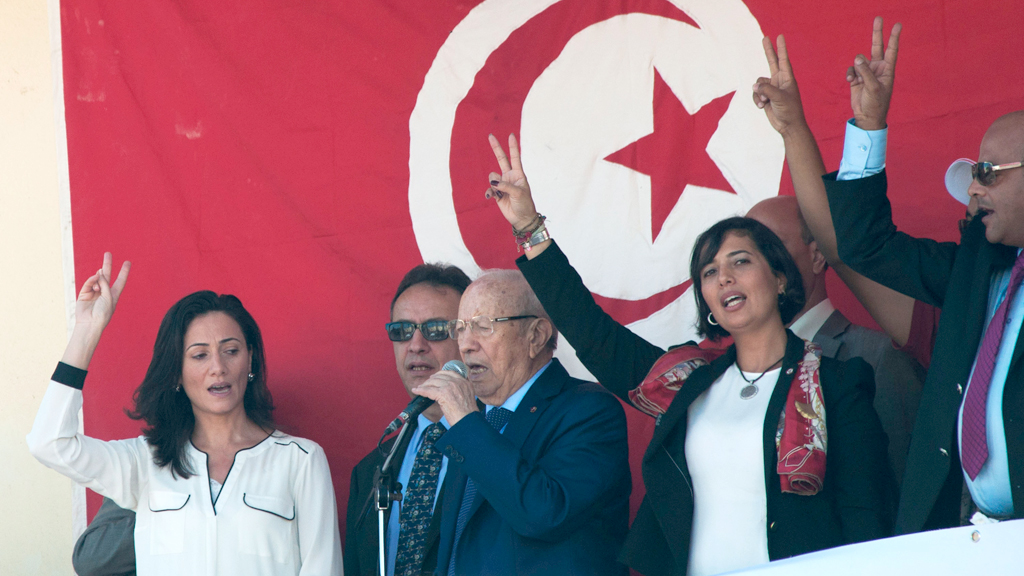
856,501
361,553
552,491
898,379
956,278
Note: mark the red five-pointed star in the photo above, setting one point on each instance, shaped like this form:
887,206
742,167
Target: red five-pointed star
674,154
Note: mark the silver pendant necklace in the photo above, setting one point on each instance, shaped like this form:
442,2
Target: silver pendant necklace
750,390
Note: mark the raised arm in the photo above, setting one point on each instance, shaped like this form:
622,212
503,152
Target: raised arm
617,357
779,96
110,468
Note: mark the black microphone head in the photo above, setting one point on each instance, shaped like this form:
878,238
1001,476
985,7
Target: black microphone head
456,366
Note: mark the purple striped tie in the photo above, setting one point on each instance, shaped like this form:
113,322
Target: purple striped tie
973,441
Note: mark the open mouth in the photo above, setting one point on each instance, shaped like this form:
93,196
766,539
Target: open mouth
476,369
733,301
420,368
220,389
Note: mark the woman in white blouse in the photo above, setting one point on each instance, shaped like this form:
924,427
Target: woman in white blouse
216,489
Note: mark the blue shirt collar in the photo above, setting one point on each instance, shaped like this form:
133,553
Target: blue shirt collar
512,402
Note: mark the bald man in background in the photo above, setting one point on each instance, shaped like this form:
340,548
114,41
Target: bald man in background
898,378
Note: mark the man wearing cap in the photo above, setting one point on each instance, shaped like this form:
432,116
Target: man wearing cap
538,481
970,425
426,300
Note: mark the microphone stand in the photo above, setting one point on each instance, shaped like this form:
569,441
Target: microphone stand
385,491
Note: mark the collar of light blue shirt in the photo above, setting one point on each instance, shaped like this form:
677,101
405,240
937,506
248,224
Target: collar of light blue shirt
512,402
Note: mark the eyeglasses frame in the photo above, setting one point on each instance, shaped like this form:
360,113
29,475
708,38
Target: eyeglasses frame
452,324
989,170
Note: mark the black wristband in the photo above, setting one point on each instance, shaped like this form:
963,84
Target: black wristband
69,376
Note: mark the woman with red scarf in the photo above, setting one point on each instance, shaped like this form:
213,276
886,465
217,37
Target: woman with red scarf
761,451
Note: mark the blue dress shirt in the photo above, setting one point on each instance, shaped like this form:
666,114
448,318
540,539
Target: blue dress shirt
512,402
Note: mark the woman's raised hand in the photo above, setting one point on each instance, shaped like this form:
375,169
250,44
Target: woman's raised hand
93,310
510,189
98,298
779,95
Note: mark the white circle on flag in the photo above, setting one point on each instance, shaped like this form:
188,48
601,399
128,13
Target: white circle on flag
594,99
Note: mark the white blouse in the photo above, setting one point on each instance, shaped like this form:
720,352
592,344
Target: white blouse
275,515
725,456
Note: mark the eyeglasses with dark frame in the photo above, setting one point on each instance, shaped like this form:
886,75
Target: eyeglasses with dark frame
480,325
985,172
434,330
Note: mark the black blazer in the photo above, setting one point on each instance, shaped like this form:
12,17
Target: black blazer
956,278
854,505
856,501
361,552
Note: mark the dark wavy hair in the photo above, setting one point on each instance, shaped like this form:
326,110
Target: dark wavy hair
771,247
168,411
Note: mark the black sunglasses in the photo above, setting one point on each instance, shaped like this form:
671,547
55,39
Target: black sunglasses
985,172
433,330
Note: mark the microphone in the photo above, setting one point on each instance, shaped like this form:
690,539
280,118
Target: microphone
421,403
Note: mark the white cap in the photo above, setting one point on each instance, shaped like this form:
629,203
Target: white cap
958,179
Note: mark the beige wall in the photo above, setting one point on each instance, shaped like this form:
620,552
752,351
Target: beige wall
36,503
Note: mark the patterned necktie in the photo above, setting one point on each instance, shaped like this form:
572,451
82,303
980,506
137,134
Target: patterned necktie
418,504
973,440
497,417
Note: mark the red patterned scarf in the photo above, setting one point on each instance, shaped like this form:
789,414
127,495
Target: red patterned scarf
801,439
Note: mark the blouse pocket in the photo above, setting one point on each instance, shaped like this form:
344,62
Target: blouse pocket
268,528
167,531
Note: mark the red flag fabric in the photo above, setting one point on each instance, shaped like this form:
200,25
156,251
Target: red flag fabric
304,155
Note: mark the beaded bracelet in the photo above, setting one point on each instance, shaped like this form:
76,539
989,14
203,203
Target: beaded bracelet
529,229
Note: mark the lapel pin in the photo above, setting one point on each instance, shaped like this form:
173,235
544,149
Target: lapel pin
532,410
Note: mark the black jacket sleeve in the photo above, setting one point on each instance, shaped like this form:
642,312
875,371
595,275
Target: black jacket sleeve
869,243
617,357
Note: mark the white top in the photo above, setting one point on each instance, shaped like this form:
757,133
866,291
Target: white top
725,455
276,513
808,324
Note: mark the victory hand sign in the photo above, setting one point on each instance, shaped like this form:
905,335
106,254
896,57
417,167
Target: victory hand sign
871,81
93,310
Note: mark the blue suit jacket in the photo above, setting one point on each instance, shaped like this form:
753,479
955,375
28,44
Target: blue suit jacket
552,491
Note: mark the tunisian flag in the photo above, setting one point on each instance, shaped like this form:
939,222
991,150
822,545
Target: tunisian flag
304,155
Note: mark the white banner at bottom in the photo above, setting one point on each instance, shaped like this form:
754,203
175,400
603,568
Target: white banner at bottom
996,548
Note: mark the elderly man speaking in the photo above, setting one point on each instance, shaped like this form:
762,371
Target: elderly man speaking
540,477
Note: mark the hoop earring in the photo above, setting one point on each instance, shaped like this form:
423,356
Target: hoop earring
251,376
711,319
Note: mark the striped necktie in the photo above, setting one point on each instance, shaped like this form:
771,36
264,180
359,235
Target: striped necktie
974,427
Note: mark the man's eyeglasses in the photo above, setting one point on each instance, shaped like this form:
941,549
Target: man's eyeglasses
985,172
480,325
433,330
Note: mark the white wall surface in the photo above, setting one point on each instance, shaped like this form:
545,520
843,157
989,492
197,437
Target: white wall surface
35,502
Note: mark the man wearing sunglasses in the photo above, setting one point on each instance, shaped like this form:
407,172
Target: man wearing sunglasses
538,481
426,300
966,461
